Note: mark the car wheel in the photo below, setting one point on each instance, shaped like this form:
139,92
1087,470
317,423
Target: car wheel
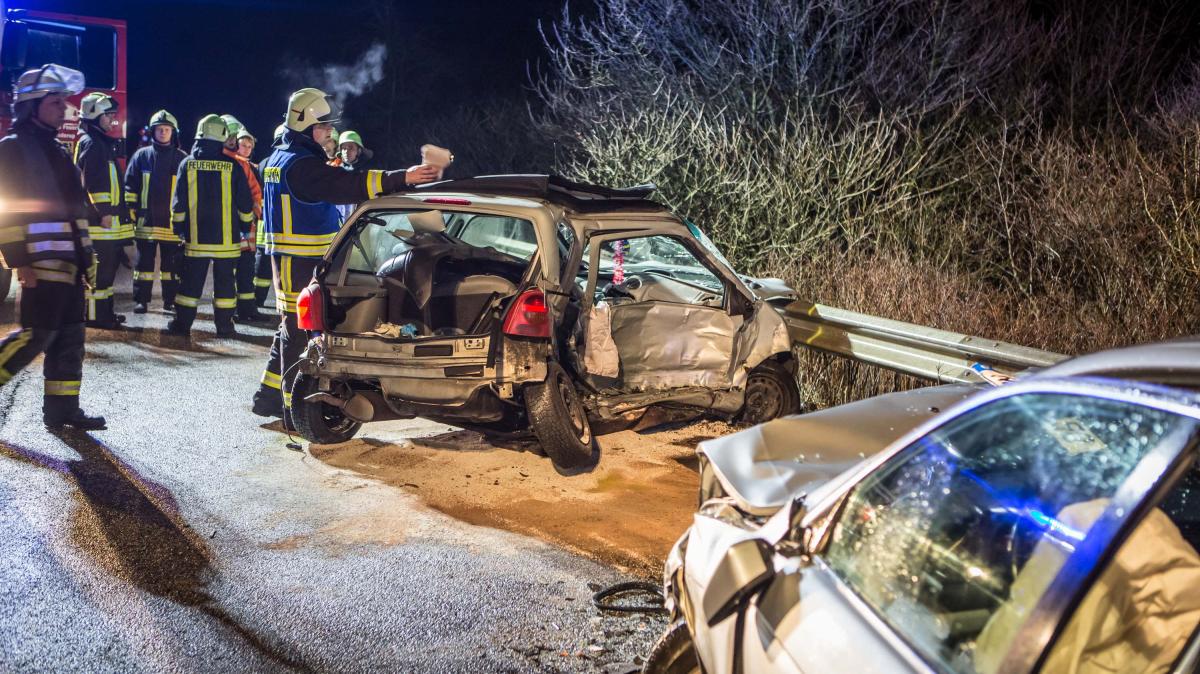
560,422
673,653
319,422
771,392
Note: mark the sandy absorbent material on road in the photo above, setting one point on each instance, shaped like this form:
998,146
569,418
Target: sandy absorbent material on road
627,512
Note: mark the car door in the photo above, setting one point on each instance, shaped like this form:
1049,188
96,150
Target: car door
667,311
965,551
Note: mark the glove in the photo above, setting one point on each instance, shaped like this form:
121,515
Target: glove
89,278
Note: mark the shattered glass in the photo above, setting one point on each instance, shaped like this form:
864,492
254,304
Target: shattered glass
954,540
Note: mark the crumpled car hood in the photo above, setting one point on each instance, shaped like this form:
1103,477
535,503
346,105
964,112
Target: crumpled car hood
764,466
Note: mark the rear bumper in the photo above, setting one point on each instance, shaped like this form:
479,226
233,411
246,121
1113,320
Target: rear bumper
429,379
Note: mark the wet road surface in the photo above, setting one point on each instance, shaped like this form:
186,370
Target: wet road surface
188,537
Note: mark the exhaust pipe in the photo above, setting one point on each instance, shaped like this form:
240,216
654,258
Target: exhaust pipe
358,407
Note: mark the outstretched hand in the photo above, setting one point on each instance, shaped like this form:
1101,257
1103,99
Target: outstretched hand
419,175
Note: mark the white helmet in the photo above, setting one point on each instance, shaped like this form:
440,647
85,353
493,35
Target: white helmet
279,131
212,127
96,104
311,106
49,79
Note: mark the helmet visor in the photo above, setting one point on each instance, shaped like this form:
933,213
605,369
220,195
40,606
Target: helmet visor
334,115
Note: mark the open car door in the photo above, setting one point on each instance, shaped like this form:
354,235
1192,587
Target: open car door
667,312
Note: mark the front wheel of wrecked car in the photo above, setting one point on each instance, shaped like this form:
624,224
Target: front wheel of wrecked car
673,653
771,392
560,422
318,421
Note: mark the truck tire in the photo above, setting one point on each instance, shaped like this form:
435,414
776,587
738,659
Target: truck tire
673,653
771,392
319,422
560,422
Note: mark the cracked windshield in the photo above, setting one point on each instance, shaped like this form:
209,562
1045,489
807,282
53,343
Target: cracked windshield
957,539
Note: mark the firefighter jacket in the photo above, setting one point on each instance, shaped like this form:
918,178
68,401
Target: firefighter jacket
256,197
45,222
212,207
96,156
149,185
299,215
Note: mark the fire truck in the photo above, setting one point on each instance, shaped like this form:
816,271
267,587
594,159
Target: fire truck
95,46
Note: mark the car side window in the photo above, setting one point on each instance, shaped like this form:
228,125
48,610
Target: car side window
955,540
1145,605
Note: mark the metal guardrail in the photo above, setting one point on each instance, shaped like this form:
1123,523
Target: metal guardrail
938,355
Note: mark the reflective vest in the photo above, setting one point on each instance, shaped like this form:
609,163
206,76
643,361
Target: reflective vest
291,226
211,206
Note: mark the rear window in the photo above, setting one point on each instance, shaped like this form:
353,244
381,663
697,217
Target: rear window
375,244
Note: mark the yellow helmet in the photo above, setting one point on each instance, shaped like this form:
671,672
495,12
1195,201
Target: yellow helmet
96,104
232,123
311,106
49,79
212,127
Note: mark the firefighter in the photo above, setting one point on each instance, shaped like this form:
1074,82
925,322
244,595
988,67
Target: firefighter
212,209
96,156
149,185
246,143
247,309
351,156
262,262
301,221
44,237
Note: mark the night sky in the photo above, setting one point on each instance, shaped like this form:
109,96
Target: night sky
245,56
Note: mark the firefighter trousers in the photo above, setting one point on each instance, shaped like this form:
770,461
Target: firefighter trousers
262,276
51,323
246,305
168,270
291,275
100,299
193,273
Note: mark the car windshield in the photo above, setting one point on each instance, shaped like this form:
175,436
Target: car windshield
954,540
383,238
662,255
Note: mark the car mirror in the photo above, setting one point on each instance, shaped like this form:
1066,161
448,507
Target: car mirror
746,567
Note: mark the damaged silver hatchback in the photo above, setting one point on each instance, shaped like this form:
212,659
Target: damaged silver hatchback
1048,525
505,303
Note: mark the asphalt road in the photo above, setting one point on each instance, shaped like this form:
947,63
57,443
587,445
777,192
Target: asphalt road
188,537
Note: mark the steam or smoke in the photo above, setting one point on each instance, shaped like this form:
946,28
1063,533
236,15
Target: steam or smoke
343,82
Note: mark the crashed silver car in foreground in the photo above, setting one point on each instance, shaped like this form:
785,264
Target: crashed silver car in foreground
1049,525
501,303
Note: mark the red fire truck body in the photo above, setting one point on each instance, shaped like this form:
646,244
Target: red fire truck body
92,45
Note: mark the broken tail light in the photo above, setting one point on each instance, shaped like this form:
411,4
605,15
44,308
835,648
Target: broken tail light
529,316
310,309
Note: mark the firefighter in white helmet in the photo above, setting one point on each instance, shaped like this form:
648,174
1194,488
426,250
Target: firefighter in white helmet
301,220
149,184
212,210
96,156
44,237
247,309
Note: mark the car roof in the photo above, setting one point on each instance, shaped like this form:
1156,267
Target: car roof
1171,363
573,196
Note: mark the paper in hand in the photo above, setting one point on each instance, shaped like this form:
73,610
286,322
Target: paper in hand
437,157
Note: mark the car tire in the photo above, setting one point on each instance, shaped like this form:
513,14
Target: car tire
673,653
319,422
771,392
560,422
